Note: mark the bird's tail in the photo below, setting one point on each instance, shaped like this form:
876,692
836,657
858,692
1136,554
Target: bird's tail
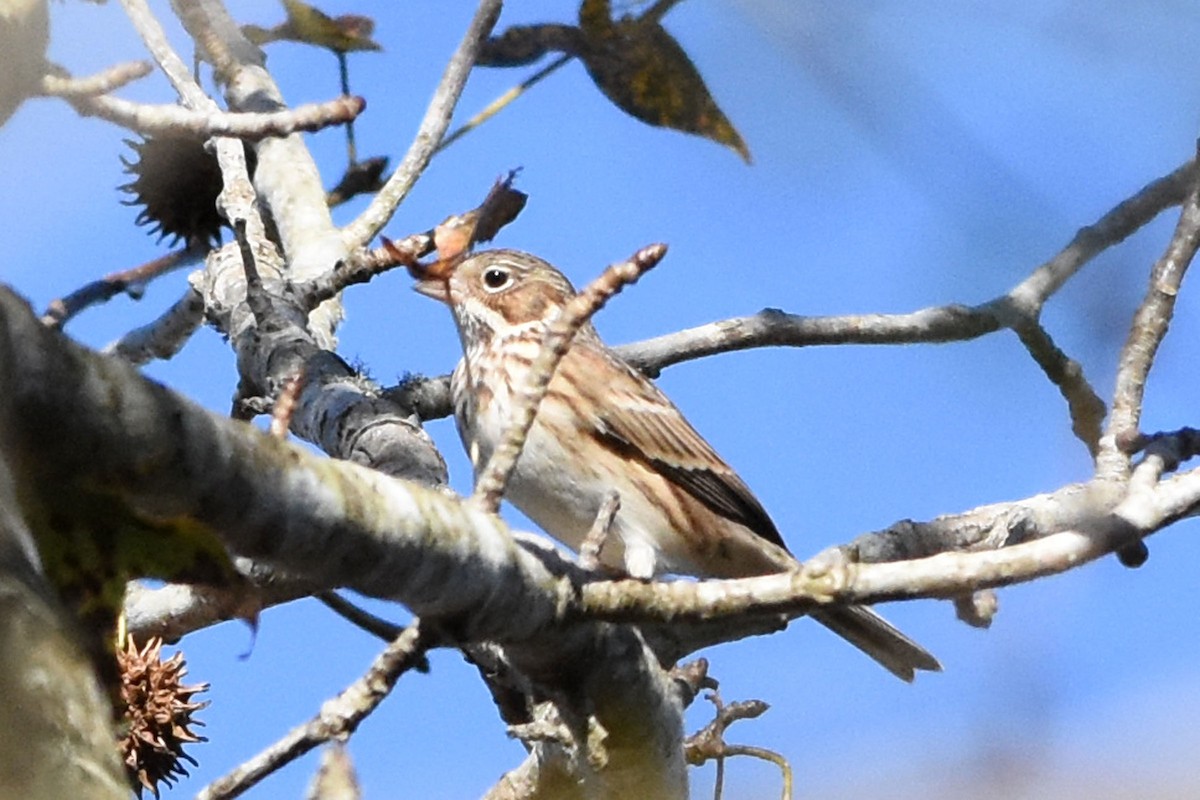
879,639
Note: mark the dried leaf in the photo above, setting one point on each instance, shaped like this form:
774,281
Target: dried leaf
457,234
524,44
360,177
501,206
309,25
646,73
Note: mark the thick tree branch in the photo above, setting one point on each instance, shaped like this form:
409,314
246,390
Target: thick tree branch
358,528
334,523
56,740
285,177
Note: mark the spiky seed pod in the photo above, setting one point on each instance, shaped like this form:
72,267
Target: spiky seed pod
158,715
176,182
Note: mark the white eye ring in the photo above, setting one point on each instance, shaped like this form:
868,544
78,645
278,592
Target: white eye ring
495,279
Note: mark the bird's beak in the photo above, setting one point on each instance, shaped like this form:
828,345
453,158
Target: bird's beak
433,280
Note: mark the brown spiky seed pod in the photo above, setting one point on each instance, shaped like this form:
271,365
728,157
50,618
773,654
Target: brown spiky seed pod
176,182
158,715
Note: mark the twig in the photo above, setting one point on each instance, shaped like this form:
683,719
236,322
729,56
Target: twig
433,128
285,407
108,80
344,74
165,336
131,281
500,206
1084,405
336,778
363,267
286,179
155,39
159,119
257,298
767,755
708,744
593,543
500,103
938,324
1075,527
489,486
338,718
977,609
376,626
1146,333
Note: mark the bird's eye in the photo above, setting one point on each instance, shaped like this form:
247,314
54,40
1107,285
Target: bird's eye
496,279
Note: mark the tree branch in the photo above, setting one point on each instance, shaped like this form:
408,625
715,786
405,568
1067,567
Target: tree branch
165,336
338,718
160,119
429,134
1145,335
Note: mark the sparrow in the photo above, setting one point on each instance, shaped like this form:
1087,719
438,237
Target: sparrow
604,427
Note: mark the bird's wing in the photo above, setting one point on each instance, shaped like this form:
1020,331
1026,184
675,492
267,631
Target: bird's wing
637,419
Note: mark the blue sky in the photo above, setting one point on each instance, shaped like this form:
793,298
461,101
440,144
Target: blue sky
905,155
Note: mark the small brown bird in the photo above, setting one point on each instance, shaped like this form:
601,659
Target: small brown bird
604,427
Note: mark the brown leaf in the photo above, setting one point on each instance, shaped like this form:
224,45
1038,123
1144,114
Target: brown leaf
460,232
501,206
359,178
309,25
524,44
646,73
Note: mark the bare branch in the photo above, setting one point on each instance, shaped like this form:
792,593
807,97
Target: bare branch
1145,335
131,281
376,626
165,336
560,332
109,80
160,119
708,744
173,611
1122,221
500,207
286,178
500,103
593,543
429,135
950,323
830,578
338,718
177,72
1085,406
